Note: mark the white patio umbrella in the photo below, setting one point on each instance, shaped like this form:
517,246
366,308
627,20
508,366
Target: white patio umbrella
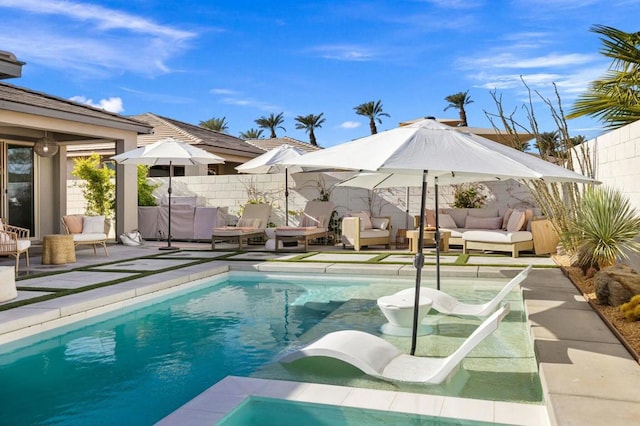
441,154
171,152
271,162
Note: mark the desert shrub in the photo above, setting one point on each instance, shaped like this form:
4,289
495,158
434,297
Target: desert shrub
606,225
631,309
468,195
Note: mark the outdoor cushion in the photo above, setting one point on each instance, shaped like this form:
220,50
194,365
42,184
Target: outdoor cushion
5,238
483,222
374,233
497,236
483,212
365,220
516,221
380,222
89,236
248,223
93,224
446,221
74,223
292,231
505,219
430,217
308,221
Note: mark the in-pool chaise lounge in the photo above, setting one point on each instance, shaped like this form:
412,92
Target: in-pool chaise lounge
378,358
447,304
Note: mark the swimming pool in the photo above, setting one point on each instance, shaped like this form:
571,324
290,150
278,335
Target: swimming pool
138,365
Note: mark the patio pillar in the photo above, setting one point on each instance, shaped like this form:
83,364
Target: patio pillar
126,190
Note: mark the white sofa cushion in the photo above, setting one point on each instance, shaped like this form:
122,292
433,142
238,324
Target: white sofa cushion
497,236
92,224
93,236
374,233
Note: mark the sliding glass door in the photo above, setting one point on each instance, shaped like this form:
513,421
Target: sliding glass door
17,185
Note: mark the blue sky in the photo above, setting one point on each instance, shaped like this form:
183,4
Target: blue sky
194,60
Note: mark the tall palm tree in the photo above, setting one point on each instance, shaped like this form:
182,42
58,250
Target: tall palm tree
308,123
252,134
219,124
458,101
272,122
373,110
614,98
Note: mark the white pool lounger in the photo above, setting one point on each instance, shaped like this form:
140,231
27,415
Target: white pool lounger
379,358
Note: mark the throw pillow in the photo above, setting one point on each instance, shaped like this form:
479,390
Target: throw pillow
74,223
446,221
516,221
528,215
430,218
505,220
93,225
365,220
5,238
483,222
380,222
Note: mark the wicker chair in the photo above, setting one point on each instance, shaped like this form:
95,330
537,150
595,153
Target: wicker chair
14,241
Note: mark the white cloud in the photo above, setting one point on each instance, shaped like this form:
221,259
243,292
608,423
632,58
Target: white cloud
112,104
89,40
223,92
345,52
251,103
350,125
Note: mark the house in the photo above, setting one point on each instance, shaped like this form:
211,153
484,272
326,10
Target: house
36,130
271,143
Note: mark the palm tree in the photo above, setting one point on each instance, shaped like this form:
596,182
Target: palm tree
615,97
458,101
373,110
218,124
308,123
272,123
548,144
252,134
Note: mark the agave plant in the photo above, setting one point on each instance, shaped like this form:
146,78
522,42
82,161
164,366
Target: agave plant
607,226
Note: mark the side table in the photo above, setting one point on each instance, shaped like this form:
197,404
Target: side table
58,249
429,237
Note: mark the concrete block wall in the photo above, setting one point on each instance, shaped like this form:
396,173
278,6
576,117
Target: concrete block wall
233,191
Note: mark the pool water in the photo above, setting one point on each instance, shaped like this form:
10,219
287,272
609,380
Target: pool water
258,411
140,364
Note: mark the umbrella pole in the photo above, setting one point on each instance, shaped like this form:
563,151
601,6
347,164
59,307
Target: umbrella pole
437,238
407,211
418,263
286,195
168,246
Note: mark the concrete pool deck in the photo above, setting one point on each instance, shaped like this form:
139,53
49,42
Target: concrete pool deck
587,375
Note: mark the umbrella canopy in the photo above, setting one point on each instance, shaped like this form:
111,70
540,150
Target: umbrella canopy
272,162
438,153
171,152
167,152
441,151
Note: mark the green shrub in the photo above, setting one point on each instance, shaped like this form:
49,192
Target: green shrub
468,195
145,189
606,226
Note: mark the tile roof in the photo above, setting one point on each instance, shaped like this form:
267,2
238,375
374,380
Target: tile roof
271,143
19,99
220,142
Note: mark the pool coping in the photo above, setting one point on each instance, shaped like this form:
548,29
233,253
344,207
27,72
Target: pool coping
225,396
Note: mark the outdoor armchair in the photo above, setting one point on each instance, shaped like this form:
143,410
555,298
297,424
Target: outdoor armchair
14,241
88,230
360,230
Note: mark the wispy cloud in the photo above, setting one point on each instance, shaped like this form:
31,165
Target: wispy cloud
350,125
232,97
104,41
345,52
113,104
